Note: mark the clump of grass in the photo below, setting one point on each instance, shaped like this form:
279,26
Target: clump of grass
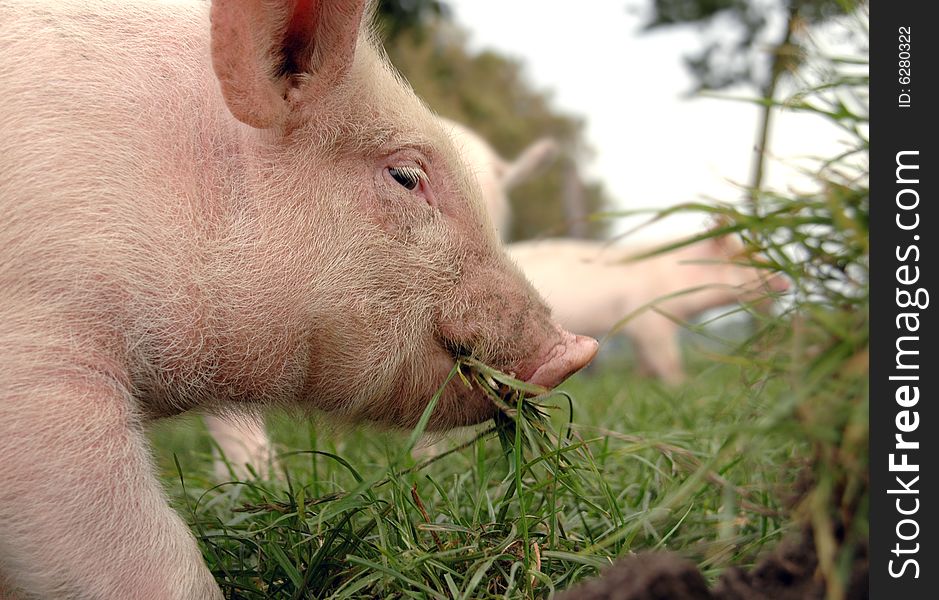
398,527
540,505
821,240
818,345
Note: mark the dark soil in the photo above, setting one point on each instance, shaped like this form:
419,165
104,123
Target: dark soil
652,576
790,572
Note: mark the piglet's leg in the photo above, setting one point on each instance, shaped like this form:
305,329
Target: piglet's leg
242,442
81,513
656,341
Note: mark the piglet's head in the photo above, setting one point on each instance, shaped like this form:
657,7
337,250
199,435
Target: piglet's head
360,230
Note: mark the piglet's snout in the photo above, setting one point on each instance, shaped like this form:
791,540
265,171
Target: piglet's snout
562,359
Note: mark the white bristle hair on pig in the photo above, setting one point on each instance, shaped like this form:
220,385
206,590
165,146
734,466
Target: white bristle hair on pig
220,206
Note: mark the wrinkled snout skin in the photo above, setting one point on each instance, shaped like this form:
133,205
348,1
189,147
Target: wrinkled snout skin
205,205
592,288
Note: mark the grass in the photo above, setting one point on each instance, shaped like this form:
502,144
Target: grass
698,469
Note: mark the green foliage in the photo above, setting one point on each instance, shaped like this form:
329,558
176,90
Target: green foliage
395,18
820,344
353,516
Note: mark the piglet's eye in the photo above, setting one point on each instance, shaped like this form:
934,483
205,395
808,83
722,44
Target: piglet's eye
409,177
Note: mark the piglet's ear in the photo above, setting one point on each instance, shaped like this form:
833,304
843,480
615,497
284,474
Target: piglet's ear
532,159
263,48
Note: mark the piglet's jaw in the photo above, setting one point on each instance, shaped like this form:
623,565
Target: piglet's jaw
561,359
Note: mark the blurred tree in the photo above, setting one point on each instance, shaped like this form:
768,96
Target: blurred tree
760,53
407,17
756,25
488,92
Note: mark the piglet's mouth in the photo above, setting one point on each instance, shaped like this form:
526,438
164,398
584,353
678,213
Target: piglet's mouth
551,365
456,350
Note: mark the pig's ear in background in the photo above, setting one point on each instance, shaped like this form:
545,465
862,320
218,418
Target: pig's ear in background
532,159
261,50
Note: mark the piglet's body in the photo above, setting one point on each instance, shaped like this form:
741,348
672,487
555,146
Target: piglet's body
232,204
592,287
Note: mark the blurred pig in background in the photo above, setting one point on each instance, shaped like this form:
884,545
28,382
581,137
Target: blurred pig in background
593,287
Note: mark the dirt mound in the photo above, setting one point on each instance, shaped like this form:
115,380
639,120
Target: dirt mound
653,576
790,572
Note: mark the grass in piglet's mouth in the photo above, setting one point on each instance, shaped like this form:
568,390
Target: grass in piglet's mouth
523,413
521,423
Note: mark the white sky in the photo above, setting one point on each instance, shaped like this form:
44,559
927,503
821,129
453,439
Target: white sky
653,147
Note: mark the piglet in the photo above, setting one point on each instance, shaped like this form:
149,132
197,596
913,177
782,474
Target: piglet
592,287
220,206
